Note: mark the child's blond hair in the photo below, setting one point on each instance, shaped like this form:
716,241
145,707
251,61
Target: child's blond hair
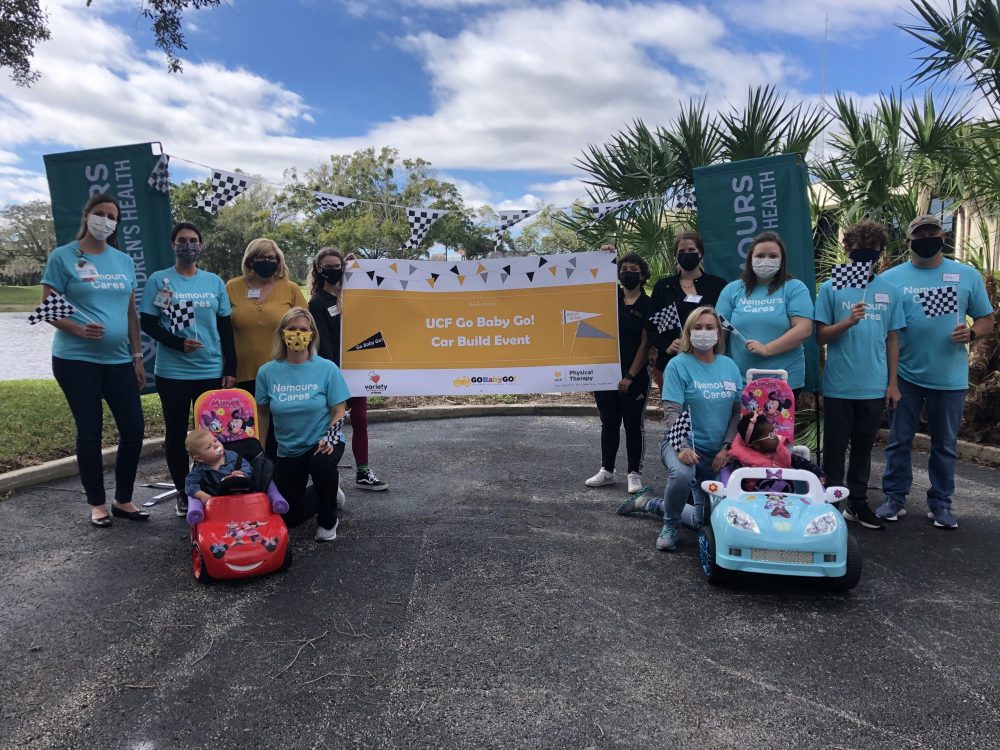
194,438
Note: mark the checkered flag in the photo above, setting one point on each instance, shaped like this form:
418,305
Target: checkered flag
727,326
330,202
159,178
225,187
180,315
682,199
53,307
333,433
679,432
507,220
666,319
603,209
939,301
420,220
851,275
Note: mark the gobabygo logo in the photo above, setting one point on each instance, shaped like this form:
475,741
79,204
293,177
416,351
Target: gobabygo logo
373,385
467,380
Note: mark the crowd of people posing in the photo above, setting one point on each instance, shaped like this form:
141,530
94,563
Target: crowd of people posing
257,332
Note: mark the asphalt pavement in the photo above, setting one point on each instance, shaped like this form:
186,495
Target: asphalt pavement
490,600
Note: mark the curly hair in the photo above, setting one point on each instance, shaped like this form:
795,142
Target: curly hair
639,261
867,234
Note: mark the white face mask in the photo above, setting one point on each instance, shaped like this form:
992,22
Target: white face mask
765,268
100,227
704,340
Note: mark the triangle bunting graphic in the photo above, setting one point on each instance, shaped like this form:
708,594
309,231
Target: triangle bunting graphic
587,331
593,272
394,267
371,275
379,280
403,283
461,279
553,270
483,275
530,275
542,262
375,341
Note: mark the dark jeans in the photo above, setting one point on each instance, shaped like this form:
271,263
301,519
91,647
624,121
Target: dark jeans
290,476
177,398
271,443
853,422
617,408
85,384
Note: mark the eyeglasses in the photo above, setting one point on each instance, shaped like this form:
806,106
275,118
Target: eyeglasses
267,258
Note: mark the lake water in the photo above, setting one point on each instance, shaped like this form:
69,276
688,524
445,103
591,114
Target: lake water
25,350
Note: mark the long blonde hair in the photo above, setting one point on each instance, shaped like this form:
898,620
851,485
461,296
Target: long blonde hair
258,247
720,345
278,349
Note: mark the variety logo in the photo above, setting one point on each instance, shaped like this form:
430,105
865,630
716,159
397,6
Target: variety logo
374,377
375,385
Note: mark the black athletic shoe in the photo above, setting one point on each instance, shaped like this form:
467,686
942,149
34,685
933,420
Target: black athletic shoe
368,481
865,516
181,506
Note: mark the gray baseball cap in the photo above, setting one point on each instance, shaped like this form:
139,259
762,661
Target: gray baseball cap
925,220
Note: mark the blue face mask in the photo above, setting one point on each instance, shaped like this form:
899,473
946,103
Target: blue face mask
187,252
864,255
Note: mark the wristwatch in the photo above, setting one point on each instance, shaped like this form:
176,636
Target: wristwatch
628,376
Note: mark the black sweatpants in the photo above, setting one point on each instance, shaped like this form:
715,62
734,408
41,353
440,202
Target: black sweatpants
854,423
177,398
270,442
290,476
617,408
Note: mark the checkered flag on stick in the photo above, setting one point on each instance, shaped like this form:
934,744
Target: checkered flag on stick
666,319
420,220
330,202
727,326
679,433
180,315
159,178
53,307
939,301
333,433
851,275
225,187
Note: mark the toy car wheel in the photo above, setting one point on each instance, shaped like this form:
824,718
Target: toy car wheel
852,575
198,565
287,562
713,573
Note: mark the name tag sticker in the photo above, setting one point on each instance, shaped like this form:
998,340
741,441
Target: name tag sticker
253,293
694,299
333,310
729,385
86,271
881,297
951,277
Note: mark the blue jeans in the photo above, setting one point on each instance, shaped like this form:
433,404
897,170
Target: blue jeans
944,417
683,480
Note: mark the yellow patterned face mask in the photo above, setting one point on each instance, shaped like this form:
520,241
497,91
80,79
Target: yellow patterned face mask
297,341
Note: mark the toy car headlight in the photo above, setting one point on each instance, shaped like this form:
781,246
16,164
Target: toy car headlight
741,520
824,524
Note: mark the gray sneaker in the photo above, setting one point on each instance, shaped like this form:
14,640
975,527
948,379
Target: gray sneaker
181,506
890,511
667,540
636,503
943,518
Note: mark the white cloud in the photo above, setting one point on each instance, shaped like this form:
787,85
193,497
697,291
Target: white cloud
859,18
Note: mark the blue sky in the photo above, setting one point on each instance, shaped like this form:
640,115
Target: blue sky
499,96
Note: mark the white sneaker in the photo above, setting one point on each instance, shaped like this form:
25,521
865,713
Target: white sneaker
341,498
327,535
601,478
634,482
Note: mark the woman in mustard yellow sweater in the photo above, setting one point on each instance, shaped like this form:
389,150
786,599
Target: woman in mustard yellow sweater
259,298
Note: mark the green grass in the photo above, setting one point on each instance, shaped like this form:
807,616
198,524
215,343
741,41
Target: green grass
37,426
19,298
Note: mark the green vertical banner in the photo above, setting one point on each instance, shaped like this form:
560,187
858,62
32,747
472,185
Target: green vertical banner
739,200
145,221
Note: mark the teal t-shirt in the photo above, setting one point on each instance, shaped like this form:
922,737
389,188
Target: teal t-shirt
856,365
763,317
709,390
300,397
927,355
100,288
208,292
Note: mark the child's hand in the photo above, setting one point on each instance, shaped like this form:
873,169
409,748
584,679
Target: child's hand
237,474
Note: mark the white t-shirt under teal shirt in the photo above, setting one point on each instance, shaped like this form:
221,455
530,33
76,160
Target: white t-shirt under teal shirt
927,355
856,364
709,390
299,397
208,292
100,288
762,316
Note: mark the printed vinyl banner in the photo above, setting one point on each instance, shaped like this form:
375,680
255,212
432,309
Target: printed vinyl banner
537,324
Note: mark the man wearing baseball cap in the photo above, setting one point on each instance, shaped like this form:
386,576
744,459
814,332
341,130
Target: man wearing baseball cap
938,295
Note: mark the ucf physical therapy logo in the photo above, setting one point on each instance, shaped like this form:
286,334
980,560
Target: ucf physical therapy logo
374,384
557,376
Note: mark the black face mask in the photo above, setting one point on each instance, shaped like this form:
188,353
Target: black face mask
265,268
630,279
864,255
332,275
688,261
927,247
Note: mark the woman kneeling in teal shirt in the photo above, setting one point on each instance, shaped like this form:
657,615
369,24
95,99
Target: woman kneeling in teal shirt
304,395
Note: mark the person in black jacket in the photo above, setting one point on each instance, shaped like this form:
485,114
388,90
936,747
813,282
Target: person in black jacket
324,304
688,289
627,404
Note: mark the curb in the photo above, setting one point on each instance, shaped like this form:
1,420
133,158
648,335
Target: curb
66,467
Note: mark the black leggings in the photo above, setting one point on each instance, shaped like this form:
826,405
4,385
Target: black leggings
618,408
177,397
270,443
85,384
290,476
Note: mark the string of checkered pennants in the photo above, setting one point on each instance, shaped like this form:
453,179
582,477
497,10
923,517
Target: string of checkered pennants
227,186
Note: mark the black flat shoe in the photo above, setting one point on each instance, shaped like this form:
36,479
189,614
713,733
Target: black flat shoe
102,523
131,515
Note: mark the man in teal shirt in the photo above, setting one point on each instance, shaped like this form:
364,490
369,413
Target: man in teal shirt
933,369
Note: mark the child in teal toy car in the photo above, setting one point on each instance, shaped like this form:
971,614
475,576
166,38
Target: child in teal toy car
758,445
